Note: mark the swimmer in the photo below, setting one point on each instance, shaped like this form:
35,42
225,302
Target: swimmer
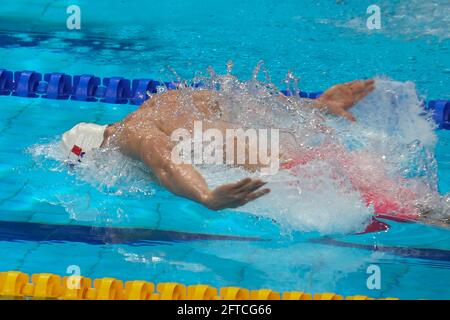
145,135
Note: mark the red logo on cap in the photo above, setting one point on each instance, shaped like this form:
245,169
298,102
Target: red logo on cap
76,149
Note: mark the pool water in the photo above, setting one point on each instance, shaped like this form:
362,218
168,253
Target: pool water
50,220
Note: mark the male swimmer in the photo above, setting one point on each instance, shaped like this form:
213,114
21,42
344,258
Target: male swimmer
145,135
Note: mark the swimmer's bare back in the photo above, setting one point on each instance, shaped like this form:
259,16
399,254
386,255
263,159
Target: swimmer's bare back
145,135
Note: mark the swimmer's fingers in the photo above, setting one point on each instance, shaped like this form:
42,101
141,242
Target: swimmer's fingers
243,186
240,183
257,194
234,195
360,85
367,86
346,114
370,84
360,95
250,192
360,89
251,186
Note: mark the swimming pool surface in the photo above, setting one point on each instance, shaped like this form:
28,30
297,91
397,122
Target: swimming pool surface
50,220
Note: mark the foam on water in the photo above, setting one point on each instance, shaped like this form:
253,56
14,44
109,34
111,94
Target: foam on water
389,149
107,170
95,189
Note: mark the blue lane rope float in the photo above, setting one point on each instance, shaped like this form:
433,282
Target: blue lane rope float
119,90
441,112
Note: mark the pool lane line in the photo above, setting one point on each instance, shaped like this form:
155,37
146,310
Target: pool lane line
415,253
49,286
119,90
31,231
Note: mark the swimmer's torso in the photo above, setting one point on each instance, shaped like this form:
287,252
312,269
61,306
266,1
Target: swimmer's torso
168,112
174,110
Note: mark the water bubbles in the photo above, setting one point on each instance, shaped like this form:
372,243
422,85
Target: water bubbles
292,83
174,74
257,69
383,152
230,65
161,89
211,72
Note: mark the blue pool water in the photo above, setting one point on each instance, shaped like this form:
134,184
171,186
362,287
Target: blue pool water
50,219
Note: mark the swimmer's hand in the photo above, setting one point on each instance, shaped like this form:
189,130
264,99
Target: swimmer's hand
236,194
341,97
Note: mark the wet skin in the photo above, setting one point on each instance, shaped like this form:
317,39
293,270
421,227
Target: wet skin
145,135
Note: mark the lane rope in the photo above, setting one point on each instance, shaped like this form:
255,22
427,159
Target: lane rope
17,285
119,90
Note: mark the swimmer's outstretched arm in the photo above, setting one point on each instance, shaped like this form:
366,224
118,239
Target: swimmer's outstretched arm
186,181
340,98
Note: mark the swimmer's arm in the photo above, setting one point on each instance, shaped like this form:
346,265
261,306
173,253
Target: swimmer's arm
184,180
340,98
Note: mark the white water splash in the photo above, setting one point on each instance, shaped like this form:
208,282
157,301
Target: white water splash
391,129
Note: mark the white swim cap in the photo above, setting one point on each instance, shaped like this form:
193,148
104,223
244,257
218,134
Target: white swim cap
82,138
